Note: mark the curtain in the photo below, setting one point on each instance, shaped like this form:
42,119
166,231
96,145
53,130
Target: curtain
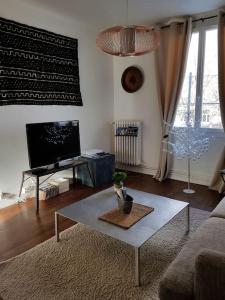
171,59
217,182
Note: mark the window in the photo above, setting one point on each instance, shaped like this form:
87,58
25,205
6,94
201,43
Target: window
200,87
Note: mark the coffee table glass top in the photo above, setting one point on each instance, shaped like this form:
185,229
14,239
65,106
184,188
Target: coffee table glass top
88,210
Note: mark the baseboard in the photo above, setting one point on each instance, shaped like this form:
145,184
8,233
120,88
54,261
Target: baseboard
139,169
196,177
180,175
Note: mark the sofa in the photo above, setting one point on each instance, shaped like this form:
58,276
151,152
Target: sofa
198,272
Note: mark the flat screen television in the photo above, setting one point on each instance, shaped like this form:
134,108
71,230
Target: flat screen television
52,142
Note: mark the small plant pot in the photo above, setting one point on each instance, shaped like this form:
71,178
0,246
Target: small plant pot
125,202
127,207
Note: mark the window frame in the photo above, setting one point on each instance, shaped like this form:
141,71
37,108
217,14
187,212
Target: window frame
202,27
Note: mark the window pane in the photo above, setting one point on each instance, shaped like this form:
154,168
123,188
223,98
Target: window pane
210,102
189,85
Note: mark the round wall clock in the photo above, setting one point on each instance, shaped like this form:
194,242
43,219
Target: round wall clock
132,79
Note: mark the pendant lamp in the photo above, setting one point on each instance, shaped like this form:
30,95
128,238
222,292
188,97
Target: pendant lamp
128,40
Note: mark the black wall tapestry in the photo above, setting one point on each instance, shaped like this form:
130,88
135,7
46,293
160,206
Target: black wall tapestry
37,67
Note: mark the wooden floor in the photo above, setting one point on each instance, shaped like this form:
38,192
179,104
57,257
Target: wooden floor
21,229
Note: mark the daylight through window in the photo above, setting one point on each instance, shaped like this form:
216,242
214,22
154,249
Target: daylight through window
200,85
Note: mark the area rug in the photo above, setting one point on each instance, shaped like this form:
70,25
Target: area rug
89,265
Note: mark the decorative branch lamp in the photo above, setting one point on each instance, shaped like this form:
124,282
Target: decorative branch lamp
128,40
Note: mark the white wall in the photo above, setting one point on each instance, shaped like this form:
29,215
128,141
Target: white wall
96,78
143,105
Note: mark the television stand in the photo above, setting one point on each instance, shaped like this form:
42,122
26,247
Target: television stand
40,172
63,163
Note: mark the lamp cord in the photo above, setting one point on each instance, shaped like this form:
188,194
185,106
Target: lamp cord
127,12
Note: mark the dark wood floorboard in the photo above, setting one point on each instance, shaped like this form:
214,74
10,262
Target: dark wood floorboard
21,229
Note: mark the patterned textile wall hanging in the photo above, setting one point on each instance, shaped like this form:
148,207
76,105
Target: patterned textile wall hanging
37,67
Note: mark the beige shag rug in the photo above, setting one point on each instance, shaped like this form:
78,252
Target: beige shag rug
89,265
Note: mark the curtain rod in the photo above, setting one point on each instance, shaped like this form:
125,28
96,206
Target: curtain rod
205,18
193,21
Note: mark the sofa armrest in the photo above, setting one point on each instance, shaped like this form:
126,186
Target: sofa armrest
210,275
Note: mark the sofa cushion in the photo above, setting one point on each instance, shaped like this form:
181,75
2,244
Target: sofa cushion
219,211
210,275
178,281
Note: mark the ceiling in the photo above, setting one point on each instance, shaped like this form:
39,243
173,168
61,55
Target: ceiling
102,13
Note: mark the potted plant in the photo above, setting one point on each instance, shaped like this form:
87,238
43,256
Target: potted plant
125,201
118,178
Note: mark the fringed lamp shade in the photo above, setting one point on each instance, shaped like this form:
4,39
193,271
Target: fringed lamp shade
128,40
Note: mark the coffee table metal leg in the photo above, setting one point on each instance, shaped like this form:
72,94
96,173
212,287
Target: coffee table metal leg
137,266
57,226
187,212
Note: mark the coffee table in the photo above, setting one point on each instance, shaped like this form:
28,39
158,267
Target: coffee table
88,210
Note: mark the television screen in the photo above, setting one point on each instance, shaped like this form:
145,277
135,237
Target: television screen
49,143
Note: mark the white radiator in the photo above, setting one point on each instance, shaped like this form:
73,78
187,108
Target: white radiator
128,142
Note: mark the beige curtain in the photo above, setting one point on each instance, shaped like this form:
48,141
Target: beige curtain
171,59
217,182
